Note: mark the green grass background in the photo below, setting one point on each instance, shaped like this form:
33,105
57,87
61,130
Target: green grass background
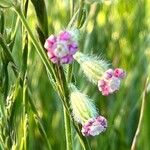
121,34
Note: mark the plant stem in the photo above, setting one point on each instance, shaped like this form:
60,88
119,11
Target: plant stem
134,143
41,129
71,8
66,93
67,130
80,13
25,114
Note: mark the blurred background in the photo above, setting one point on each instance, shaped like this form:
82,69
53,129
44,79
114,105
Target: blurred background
120,33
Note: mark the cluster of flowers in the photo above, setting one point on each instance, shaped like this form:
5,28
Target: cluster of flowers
110,81
63,49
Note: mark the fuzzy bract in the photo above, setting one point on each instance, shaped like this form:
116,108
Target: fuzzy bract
92,66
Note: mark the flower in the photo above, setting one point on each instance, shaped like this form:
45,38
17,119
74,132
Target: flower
85,113
61,48
94,126
110,81
97,71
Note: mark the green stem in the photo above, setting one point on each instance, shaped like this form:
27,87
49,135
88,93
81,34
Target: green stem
67,130
24,71
80,12
83,140
2,23
25,134
66,93
71,8
69,73
42,131
6,80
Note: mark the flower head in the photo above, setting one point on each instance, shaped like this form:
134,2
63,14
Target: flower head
85,113
61,48
110,81
96,70
94,126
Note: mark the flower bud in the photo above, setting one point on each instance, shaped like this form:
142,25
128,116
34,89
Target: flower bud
85,113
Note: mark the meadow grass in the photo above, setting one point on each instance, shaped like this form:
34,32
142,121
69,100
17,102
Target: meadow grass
35,110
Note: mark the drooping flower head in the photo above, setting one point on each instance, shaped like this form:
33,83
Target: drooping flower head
61,48
110,81
85,113
96,70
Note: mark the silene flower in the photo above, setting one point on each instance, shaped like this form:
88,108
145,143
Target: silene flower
61,48
85,113
97,71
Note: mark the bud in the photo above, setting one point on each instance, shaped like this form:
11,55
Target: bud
61,48
85,113
92,66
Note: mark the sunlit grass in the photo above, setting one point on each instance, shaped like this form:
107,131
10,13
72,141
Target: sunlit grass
120,32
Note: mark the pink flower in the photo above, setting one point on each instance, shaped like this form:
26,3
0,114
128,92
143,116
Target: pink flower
61,49
110,81
94,126
120,73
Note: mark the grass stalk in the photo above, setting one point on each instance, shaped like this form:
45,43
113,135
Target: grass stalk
137,133
25,120
39,49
